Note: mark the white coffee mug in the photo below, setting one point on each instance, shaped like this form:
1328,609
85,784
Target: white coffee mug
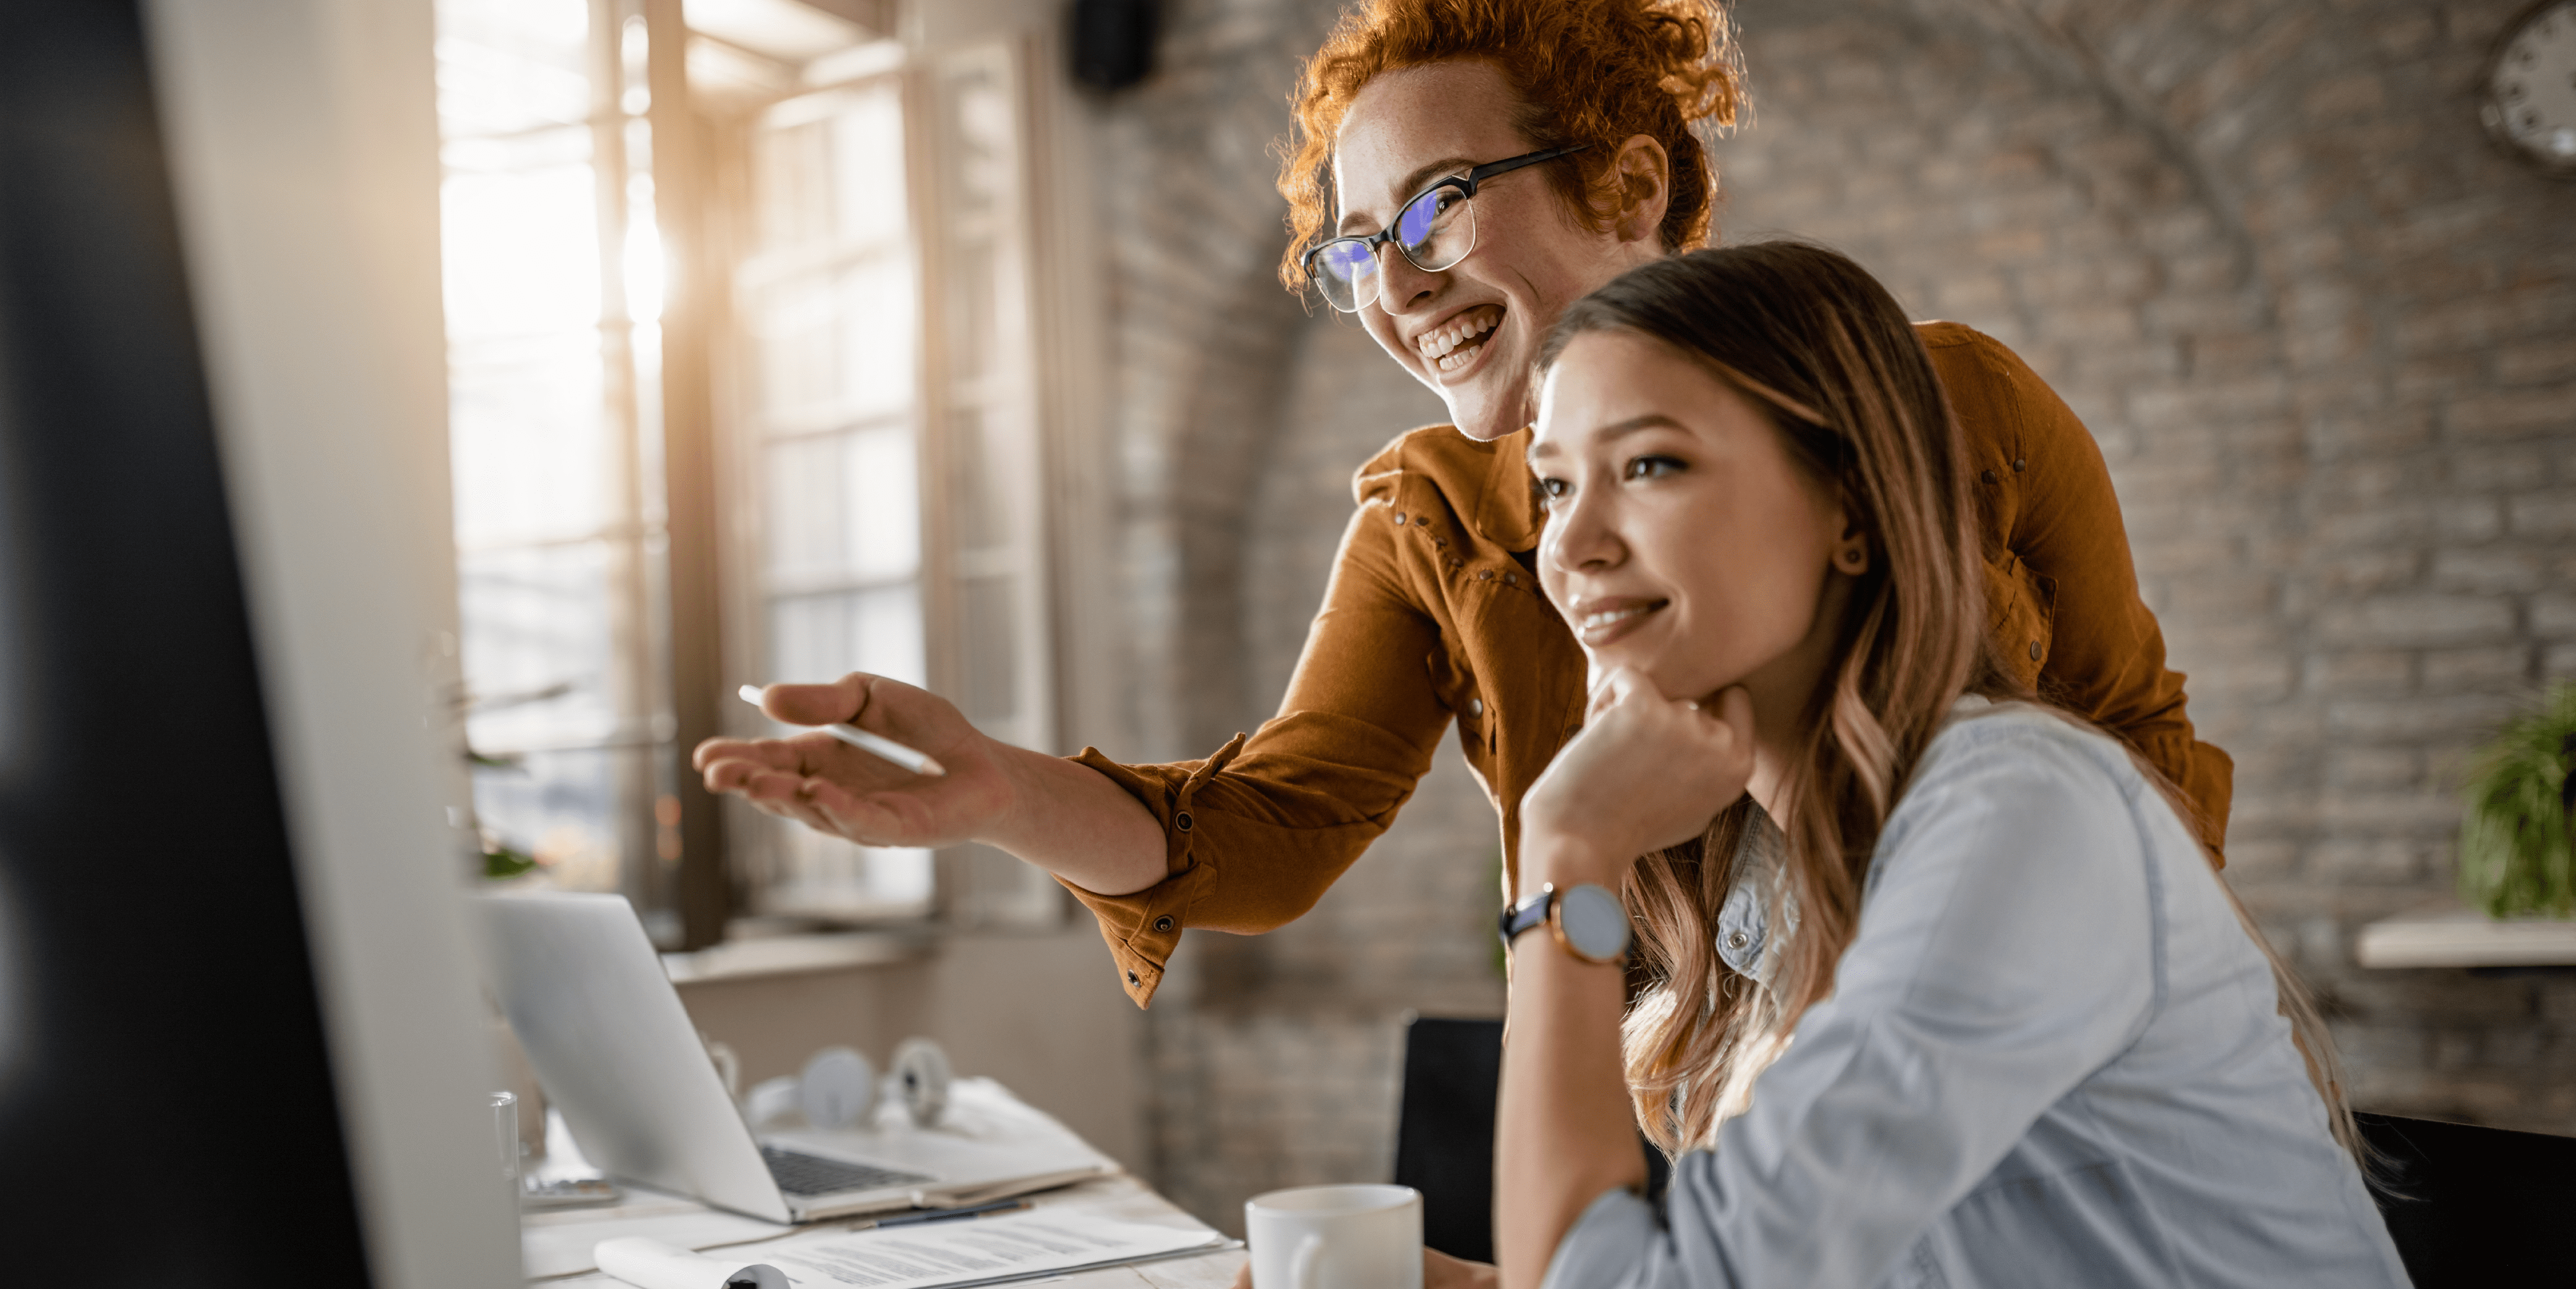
1336,1237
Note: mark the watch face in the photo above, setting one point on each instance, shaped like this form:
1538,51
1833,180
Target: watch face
1593,921
2531,88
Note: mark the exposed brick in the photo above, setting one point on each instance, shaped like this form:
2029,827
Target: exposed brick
2547,514
2379,861
2490,570
2372,767
2467,519
2536,362
2559,663
2418,718
2363,672
2514,413
2417,620
2553,616
2450,669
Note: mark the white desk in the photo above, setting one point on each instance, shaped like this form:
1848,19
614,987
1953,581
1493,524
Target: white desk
1121,1197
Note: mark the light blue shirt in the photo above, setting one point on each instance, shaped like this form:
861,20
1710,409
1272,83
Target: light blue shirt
2052,1058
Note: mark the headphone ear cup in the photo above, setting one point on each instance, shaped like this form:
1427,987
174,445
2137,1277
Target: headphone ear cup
921,1074
837,1089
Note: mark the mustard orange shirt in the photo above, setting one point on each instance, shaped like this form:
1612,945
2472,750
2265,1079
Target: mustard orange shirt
1432,617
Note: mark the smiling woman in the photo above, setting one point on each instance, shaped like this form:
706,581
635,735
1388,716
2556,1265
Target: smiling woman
1560,135
2037,1041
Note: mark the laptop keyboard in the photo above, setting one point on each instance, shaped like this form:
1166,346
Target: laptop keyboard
803,1174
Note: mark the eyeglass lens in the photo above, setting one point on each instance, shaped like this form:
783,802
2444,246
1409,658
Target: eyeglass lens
1434,231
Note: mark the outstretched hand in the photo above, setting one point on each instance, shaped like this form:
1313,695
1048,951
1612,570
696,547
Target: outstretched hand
1646,772
834,788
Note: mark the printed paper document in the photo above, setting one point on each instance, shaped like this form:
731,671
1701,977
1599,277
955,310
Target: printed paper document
938,1255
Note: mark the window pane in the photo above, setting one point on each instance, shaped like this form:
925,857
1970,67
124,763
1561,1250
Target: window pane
988,637
795,197
506,66
522,241
819,876
561,808
822,637
836,348
534,620
843,507
978,141
867,167
528,434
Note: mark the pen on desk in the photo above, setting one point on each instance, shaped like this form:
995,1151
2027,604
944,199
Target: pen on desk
948,1214
873,744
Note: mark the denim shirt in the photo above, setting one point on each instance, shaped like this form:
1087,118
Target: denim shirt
2052,1057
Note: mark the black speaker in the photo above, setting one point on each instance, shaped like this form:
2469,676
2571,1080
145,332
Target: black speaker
1113,42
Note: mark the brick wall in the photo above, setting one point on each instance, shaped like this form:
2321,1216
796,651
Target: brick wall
2325,335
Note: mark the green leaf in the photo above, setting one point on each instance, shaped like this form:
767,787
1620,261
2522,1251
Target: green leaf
502,862
2514,854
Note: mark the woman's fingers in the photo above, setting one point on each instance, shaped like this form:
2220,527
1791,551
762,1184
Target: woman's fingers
829,703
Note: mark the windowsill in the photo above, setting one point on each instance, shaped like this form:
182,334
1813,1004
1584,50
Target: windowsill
2457,937
795,955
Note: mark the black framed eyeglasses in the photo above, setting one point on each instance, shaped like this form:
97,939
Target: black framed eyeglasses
1434,231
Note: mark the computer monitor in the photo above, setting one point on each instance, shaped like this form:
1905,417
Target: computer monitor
240,1041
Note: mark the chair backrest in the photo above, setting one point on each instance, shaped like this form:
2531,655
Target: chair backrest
1444,1134
2482,1207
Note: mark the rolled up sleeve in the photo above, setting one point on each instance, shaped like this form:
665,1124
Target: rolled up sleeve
1255,834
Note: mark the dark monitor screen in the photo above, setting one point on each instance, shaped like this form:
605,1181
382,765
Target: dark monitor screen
167,1113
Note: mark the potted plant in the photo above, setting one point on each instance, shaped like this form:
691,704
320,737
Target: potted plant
2514,856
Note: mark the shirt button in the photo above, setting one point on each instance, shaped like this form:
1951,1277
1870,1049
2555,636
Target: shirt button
1988,476
1182,820
1738,940
1399,518
1475,707
2034,651
1131,977
1163,923
2019,466
1484,575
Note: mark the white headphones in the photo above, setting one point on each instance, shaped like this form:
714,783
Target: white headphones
840,1090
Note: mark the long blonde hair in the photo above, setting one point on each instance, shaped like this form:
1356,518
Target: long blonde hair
1815,340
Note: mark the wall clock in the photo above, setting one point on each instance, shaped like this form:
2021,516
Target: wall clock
2529,101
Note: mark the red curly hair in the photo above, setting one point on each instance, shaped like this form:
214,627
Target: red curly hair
1586,71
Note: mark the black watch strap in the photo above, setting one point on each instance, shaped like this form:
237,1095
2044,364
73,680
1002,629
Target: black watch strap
1529,913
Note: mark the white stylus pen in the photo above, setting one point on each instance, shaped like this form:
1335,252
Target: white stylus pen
876,744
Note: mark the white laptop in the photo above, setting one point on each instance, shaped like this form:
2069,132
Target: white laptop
614,1050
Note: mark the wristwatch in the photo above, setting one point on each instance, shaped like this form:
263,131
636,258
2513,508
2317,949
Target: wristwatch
1588,920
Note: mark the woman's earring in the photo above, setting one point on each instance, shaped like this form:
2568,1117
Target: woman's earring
1853,559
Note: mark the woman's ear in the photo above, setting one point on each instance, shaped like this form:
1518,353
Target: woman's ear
1642,177
1851,551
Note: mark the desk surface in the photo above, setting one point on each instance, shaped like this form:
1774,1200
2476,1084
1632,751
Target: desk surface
1122,1197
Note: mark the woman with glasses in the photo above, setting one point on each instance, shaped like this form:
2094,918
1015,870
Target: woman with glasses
1464,172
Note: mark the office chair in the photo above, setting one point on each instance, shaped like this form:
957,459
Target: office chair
1444,1134
2477,1206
